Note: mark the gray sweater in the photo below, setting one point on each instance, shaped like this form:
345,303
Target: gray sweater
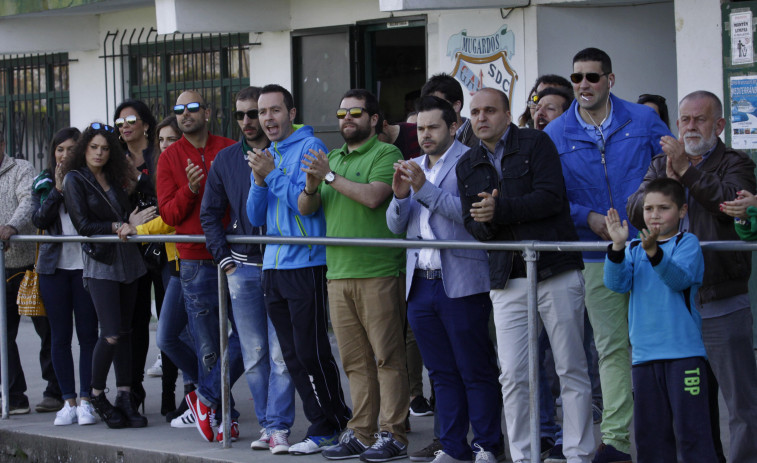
16,177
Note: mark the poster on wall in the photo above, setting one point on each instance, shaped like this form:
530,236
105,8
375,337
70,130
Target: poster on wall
744,112
483,61
742,44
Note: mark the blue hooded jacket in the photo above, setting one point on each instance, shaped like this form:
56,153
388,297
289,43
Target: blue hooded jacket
275,205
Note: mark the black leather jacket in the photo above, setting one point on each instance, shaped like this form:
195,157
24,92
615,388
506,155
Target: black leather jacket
532,203
91,213
46,216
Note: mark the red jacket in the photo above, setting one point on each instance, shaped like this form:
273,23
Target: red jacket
178,206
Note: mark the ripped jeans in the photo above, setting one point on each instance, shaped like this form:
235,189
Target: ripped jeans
199,281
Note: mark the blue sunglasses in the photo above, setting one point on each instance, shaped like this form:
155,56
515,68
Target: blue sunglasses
99,126
191,107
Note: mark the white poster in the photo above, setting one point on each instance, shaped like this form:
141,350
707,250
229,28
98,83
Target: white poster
742,44
744,112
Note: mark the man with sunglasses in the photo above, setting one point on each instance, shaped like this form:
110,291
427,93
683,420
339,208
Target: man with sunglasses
366,285
606,145
294,276
226,192
182,169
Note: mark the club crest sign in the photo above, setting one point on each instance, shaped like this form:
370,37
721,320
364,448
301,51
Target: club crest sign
483,61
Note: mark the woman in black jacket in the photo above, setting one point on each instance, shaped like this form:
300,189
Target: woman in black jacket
60,282
94,186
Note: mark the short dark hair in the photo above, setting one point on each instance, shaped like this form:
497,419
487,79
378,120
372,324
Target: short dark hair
594,54
553,80
446,85
430,102
144,113
717,105
667,187
276,88
68,133
371,102
250,93
568,97
658,101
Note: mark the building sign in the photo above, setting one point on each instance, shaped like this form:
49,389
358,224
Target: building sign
742,46
484,61
744,112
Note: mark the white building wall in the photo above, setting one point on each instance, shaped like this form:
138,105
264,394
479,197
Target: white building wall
699,47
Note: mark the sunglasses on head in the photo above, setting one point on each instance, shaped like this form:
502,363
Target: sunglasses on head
592,77
131,120
191,107
252,114
99,126
356,112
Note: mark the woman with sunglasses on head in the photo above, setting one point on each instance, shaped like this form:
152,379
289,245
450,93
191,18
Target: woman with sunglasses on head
136,127
176,345
60,282
96,178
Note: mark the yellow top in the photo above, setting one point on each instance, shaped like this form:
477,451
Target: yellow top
157,227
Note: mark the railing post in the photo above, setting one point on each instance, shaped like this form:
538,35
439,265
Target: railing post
223,323
531,256
4,337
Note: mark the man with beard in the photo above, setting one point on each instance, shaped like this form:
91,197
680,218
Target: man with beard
366,288
713,173
182,168
294,276
448,290
226,192
552,102
605,146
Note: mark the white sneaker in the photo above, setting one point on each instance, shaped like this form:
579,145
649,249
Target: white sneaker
157,368
262,442
85,413
187,420
66,415
279,443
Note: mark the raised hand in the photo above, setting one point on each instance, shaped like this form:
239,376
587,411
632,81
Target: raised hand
616,230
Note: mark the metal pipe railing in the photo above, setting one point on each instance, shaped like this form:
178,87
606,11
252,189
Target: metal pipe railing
530,253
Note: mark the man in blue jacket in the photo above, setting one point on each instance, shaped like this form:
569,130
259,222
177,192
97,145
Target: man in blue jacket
294,276
226,192
448,303
605,146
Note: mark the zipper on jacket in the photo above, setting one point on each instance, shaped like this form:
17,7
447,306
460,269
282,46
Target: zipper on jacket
302,229
604,161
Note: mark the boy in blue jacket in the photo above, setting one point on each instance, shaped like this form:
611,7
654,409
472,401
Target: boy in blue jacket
663,270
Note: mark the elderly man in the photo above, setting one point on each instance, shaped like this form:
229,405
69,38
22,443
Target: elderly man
712,173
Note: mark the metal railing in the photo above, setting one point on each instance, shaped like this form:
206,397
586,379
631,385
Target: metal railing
530,251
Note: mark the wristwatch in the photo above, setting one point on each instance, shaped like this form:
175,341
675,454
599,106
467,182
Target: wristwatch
329,177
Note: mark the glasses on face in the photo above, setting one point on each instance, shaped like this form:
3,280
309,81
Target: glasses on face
99,126
356,112
191,107
531,103
592,77
251,114
131,120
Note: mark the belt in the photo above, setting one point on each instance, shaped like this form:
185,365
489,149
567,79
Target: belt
435,274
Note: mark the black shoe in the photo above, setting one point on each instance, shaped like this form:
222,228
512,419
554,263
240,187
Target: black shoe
167,402
125,404
427,453
547,444
108,413
138,395
386,448
349,446
555,455
49,404
183,407
419,406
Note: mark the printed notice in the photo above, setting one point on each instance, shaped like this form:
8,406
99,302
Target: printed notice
742,45
744,112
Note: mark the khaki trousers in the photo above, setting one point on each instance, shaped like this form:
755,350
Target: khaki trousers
368,317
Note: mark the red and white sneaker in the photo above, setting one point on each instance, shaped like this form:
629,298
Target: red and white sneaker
279,442
234,432
204,416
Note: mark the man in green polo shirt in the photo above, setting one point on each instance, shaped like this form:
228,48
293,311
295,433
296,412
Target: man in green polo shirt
365,284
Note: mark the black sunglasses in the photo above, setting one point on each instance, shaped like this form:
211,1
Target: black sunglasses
252,114
131,120
592,77
191,107
99,126
356,112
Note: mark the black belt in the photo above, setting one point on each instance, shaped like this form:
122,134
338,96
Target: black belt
435,274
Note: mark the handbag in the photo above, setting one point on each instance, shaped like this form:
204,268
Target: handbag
29,300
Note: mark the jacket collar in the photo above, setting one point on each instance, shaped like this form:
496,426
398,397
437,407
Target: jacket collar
480,154
574,130
714,159
8,164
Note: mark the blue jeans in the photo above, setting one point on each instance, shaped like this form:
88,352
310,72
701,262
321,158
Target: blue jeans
173,336
66,302
267,375
199,281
